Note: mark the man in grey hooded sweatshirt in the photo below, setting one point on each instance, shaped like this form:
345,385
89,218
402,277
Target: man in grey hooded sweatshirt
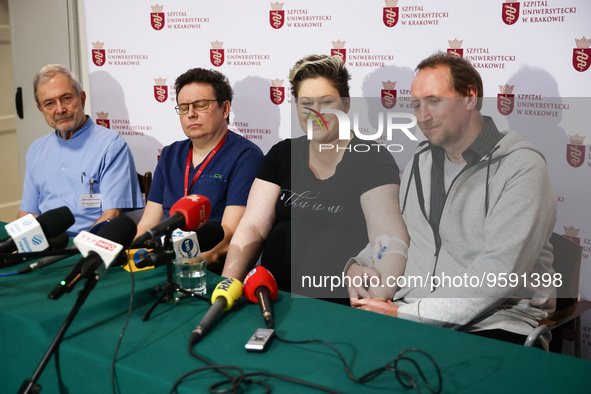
479,208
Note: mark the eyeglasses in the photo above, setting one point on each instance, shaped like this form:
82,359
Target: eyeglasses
198,105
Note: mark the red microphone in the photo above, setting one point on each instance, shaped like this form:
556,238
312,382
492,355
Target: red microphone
195,210
189,213
260,287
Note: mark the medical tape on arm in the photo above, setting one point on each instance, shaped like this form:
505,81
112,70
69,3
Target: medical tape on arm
384,244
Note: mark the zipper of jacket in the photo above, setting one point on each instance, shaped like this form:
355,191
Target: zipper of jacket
421,198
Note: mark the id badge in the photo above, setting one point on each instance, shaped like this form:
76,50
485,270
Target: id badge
90,201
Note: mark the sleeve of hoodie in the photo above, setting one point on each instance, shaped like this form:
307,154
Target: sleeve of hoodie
521,217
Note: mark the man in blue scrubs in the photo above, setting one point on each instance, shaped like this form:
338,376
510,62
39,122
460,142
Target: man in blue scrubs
81,165
212,161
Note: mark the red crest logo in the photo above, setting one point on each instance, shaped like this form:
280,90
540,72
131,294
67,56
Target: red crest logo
390,16
459,52
581,59
510,13
276,18
216,56
161,93
388,98
575,154
103,119
157,20
98,57
341,52
104,122
575,151
277,94
505,103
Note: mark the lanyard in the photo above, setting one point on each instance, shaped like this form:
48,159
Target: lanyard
202,167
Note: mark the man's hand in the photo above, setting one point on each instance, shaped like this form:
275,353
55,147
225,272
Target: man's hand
375,305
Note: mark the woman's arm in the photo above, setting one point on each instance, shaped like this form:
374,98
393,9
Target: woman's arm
253,229
230,219
152,215
387,236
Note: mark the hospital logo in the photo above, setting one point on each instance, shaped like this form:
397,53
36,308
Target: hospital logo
390,15
276,15
160,90
157,17
581,54
216,54
510,12
277,91
98,53
103,119
388,94
575,151
455,47
338,49
506,99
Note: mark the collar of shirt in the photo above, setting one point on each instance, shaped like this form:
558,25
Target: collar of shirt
484,143
482,146
85,127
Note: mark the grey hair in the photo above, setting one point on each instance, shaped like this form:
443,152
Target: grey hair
49,71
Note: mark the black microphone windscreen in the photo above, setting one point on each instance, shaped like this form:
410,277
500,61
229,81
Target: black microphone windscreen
59,242
120,230
56,221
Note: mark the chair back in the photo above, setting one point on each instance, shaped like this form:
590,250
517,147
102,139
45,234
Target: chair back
567,261
145,183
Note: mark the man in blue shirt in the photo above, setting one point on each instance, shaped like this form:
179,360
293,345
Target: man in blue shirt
81,165
212,161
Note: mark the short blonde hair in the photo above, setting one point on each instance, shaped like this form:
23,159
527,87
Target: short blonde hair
313,66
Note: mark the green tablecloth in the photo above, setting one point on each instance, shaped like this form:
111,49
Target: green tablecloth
154,354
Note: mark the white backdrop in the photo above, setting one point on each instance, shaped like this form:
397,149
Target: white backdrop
538,48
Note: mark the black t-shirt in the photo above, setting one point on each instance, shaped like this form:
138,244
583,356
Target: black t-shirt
320,223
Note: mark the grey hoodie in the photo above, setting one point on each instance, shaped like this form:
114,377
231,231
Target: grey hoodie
493,258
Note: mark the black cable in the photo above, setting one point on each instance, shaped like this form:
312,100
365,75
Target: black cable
391,366
235,382
129,310
218,368
296,381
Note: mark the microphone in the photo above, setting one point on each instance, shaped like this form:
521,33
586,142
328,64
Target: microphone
260,287
99,251
46,261
56,243
30,234
59,242
188,214
153,259
222,299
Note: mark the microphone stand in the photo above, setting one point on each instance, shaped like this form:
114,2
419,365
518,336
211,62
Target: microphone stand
30,385
170,286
